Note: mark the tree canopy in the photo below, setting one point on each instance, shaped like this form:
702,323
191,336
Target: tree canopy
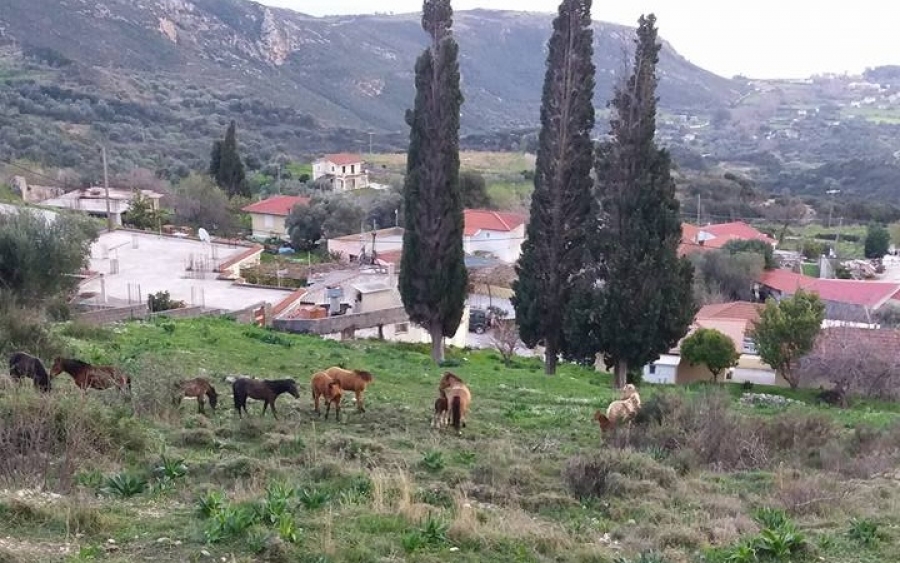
787,330
226,167
711,348
878,241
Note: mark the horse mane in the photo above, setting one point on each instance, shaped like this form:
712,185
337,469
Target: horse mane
72,363
450,378
364,375
280,385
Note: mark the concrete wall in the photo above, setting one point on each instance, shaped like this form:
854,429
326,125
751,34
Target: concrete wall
114,315
504,245
264,225
231,268
342,323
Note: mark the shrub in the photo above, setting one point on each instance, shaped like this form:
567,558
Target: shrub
433,460
864,531
124,485
162,301
608,473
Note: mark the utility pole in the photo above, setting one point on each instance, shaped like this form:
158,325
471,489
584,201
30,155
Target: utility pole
698,209
370,143
109,220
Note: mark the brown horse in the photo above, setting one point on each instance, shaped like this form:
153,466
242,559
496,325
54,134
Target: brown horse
196,387
458,398
324,386
441,411
623,410
352,380
262,390
88,376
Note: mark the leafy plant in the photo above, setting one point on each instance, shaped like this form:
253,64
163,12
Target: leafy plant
433,533
124,485
210,503
278,501
768,517
742,553
287,528
864,531
228,522
171,468
433,460
312,499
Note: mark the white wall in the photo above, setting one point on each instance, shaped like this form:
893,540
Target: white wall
413,333
662,374
504,245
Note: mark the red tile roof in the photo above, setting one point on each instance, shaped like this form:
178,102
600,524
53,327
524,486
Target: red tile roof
487,220
855,292
717,236
739,310
280,205
343,159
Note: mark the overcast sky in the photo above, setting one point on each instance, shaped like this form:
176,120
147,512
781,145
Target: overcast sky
759,39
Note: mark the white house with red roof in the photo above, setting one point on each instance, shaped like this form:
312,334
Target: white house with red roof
268,216
344,171
713,237
498,233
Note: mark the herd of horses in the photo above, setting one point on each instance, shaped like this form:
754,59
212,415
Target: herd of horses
450,407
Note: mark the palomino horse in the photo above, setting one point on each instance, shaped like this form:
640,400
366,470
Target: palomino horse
458,398
622,410
262,390
351,380
197,387
23,365
87,376
330,389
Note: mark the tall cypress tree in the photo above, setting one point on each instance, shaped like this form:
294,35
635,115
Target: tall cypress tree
636,301
433,277
226,166
553,250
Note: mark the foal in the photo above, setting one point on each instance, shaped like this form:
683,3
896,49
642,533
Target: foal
89,376
354,380
441,415
263,390
324,386
620,411
25,365
458,399
196,387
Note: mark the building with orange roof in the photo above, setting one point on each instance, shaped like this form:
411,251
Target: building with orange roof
713,237
498,233
268,216
343,171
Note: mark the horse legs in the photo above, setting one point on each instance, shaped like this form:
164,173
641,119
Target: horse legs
316,401
274,414
359,402
327,408
337,411
200,404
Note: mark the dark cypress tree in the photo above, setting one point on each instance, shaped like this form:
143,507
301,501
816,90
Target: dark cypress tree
433,277
553,250
636,300
228,170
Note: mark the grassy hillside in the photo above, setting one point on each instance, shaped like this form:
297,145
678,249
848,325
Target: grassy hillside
528,480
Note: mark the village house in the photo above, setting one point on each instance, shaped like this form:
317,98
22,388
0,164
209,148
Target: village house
343,171
496,233
714,237
269,216
92,200
845,300
735,320
361,303
351,247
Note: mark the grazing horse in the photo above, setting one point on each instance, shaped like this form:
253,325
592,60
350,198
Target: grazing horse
88,376
458,399
441,415
196,387
622,410
262,390
330,389
25,365
352,380
836,396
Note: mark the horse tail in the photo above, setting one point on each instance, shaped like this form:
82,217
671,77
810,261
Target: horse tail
456,411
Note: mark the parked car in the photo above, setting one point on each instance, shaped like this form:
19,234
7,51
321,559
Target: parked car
479,321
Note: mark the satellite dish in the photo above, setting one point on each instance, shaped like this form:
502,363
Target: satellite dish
203,234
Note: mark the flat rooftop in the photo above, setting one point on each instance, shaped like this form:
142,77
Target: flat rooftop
149,263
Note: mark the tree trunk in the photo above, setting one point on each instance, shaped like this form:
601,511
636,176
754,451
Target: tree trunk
551,357
437,343
621,374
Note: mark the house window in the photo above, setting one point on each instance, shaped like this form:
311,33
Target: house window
749,346
343,169
353,169
268,221
652,369
401,328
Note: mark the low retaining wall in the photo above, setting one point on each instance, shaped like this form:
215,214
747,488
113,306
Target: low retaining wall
342,323
114,315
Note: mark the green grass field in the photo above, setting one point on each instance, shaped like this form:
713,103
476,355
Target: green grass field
529,479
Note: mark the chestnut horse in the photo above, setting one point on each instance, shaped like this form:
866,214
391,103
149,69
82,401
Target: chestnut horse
330,389
196,387
262,390
88,376
352,380
620,411
458,399
23,365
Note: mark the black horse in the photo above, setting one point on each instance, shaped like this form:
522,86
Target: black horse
25,365
261,389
